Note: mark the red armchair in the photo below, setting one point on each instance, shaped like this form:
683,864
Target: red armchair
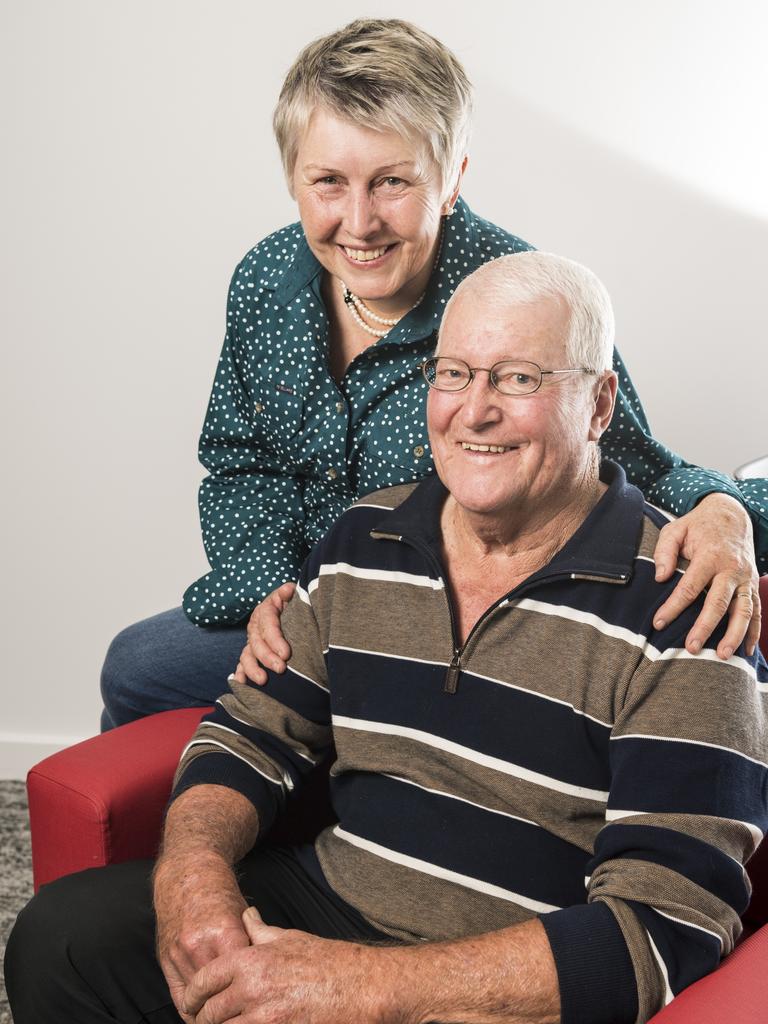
102,801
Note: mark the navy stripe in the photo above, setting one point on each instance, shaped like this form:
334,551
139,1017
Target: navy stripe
270,746
688,953
674,777
221,769
519,727
703,864
297,693
594,969
451,833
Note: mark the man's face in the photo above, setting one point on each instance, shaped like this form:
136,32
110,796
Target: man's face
543,436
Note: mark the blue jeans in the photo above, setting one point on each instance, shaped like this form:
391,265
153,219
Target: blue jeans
166,662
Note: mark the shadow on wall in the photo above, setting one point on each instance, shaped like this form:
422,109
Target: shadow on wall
687,274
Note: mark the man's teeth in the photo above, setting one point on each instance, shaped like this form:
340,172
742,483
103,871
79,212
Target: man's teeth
497,449
364,255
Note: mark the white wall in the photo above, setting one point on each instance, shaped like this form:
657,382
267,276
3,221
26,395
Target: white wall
138,167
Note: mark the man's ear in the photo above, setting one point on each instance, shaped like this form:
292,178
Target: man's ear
604,399
450,202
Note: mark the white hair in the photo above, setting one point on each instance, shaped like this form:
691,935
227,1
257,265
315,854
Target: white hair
528,276
385,74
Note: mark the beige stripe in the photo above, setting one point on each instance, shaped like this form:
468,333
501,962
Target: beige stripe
574,822
397,899
716,835
439,872
467,753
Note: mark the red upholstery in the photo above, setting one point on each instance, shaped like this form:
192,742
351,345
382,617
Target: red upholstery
102,801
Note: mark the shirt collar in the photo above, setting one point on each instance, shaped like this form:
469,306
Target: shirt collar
292,276
604,545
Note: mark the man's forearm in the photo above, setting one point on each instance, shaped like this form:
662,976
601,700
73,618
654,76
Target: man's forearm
208,820
508,976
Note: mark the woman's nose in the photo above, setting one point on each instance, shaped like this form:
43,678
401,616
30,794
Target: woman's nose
361,217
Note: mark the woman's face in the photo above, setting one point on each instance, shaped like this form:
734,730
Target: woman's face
370,206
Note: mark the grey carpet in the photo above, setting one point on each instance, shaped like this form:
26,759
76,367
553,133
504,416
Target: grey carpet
15,868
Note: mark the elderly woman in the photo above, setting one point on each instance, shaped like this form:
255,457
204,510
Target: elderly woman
318,397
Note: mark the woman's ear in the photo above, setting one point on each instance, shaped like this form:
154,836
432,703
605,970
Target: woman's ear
450,202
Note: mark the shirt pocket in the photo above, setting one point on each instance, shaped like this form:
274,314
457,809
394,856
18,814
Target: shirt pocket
278,409
396,437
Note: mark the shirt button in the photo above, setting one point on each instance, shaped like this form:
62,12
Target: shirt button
418,451
339,407
259,407
331,474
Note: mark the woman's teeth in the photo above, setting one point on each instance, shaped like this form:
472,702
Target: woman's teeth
364,255
497,449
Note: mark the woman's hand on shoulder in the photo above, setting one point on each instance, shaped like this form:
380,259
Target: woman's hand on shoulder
716,538
266,647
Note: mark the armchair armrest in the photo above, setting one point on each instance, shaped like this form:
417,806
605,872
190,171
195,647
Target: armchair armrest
737,992
102,801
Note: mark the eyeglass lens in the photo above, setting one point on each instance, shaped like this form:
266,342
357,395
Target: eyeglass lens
510,377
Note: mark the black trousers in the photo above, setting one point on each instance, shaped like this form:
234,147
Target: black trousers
83,950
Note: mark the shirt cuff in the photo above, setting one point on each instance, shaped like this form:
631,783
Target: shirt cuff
680,490
594,969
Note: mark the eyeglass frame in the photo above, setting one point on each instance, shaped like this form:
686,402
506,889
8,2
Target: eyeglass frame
507,394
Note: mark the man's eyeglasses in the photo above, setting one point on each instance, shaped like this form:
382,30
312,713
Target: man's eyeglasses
510,376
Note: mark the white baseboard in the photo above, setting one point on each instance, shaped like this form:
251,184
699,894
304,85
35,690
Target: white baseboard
19,751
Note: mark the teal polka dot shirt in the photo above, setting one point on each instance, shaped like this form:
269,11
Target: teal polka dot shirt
287,449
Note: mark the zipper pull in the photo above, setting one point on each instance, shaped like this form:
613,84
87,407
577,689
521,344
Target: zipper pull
454,671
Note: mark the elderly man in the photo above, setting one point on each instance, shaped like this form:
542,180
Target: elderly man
543,804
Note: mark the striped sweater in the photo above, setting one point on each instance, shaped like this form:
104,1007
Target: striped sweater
568,762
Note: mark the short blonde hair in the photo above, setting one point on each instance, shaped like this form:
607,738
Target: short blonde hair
528,276
385,74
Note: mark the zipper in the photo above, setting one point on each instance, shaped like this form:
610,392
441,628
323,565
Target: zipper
453,673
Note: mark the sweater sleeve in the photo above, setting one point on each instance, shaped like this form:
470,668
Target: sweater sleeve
265,741
251,503
666,478
687,807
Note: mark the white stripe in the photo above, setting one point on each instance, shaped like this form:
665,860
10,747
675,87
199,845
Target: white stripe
436,871
295,672
383,575
215,743
563,611
383,654
688,924
302,594
370,504
645,558
668,993
696,743
636,639
469,754
462,799
250,725
616,814
669,516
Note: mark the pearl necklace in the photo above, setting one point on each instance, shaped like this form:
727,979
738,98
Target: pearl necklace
357,308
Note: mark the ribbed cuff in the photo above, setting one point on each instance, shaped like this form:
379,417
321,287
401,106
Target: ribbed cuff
594,969
220,769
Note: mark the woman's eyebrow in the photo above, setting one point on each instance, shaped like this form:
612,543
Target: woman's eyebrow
377,170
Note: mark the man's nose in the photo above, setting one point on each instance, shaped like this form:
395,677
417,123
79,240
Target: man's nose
482,402
361,218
